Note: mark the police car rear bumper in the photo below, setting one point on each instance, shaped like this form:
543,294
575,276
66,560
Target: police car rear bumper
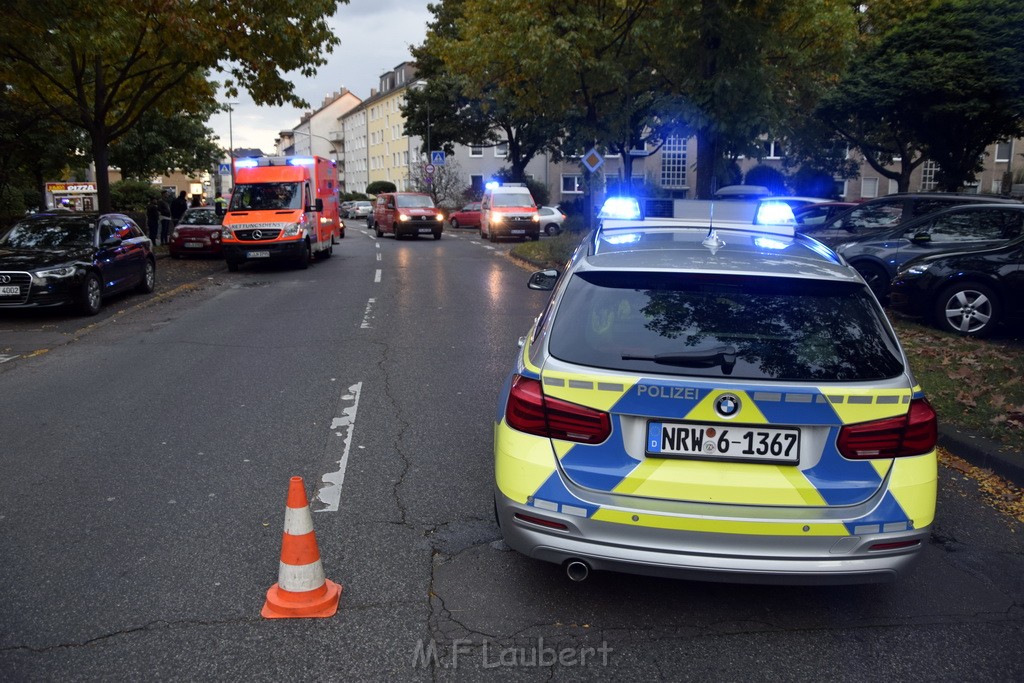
732,558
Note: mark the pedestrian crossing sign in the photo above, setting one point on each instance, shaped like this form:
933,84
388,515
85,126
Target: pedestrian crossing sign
224,169
437,158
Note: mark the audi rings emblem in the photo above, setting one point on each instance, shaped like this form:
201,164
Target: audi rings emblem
257,234
727,405
5,279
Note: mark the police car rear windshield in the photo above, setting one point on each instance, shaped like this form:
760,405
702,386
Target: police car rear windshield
753,328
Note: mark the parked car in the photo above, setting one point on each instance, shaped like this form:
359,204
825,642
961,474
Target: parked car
551,219
818,213
77,259
407,214
883,213
970,226
726,404
360,209
344,208
968,292
466,217
197,233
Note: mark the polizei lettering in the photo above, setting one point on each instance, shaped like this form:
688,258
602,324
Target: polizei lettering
687,393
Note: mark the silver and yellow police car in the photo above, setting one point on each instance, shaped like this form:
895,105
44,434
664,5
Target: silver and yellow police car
722,402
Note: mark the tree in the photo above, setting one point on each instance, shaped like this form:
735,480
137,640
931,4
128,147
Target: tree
161,143
446,185
740,70
941,85
99,66
380,186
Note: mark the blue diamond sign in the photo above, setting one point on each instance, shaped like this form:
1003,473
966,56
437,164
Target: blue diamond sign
593,160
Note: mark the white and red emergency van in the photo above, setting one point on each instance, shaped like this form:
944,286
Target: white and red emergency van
282,209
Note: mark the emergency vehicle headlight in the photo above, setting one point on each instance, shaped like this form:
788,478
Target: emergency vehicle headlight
246,163
775,213
291,229
300,161
226,233
626,208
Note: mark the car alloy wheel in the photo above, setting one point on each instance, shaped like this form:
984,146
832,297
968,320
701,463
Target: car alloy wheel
970,310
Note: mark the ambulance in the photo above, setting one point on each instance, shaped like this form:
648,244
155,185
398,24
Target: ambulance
282,209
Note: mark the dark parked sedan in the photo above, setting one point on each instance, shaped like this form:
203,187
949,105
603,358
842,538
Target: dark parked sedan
968,226
73,259
197,233
968,292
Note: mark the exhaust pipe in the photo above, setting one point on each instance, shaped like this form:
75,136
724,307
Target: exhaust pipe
577,570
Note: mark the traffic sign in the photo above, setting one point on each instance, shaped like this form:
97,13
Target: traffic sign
225,169
429,169
437,157
593,160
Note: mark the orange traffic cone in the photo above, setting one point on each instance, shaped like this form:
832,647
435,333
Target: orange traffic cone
301,589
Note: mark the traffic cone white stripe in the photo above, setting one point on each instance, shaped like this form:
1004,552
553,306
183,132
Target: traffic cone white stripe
298,521
300,578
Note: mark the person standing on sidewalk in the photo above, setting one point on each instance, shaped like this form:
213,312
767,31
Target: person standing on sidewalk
179,205
165,220
153,220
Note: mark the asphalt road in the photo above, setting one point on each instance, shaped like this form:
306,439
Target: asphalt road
146,457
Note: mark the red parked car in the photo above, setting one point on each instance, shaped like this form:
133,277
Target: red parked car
197,233
467,217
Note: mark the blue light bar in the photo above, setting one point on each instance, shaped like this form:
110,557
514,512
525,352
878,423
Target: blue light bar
624,238
301,161
625,208
491,184
775,213
246,163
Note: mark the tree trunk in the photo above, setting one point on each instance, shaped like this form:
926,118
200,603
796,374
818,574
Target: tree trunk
707,160
101,156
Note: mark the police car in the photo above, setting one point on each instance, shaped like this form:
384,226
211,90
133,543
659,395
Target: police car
724,403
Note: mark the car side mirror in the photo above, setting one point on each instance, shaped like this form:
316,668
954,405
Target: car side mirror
921,238
543,280
318,206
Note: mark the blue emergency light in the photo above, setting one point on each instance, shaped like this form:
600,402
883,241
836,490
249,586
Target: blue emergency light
301,161
775,213
624,208
246,163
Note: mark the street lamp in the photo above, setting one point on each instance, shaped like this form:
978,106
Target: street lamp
334,147
231,142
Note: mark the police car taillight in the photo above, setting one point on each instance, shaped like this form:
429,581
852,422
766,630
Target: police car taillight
530,411
895,437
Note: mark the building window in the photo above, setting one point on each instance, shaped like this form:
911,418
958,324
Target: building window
476,151
476,183
572,184
673,162
1004,150
501,150
928,176
773,149
869,188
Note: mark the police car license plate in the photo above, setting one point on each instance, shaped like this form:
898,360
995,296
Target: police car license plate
727,442
10,291
257,254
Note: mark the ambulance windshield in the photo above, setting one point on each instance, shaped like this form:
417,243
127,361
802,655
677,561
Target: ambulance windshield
266,197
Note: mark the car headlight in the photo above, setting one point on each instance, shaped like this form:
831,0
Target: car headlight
536,218
174,234
403,218
226,233
58,272
292,229
440,216
215,235
497,217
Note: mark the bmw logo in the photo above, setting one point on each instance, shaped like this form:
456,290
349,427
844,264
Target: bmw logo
727,405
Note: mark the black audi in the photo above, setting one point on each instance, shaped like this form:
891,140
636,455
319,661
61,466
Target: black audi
77,259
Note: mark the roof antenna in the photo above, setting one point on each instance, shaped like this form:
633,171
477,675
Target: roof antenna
712,241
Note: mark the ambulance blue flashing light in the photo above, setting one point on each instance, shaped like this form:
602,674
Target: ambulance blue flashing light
624,208
300,161
775,213
246,163
491,184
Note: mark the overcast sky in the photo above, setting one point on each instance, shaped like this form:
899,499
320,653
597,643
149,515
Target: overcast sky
375,38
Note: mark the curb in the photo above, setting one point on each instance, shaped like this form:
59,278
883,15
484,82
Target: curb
984,453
